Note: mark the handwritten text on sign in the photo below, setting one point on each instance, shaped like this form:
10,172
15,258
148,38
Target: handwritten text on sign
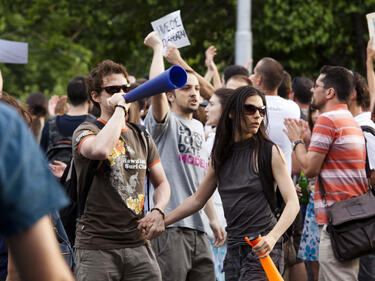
171,30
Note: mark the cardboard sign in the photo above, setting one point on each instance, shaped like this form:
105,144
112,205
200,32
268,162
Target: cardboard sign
13,52
171,30
371,26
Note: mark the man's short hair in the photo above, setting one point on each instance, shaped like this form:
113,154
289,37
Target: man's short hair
340,79
285,86
301,87
232,70
271,72
103,69
77,93
363,93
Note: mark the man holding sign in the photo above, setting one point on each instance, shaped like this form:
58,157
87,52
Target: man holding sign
171,31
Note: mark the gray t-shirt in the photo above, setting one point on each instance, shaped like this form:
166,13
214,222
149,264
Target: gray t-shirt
245,205
184,156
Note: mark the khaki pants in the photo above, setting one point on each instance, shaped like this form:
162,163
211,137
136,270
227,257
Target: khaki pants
184,254
331,269
126,264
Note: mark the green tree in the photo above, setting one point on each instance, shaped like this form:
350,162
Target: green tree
68,38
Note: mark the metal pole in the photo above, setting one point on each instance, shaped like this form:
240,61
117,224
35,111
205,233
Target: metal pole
244,51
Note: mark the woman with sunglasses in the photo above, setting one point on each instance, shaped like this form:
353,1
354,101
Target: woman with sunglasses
240,140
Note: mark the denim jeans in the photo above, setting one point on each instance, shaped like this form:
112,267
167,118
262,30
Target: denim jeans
241,264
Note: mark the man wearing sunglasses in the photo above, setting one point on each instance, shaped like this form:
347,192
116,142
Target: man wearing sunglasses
109,245
183,250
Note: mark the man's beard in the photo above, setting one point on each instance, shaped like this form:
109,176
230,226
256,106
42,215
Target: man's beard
189,110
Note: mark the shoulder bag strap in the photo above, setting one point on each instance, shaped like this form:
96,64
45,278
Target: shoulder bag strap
90,176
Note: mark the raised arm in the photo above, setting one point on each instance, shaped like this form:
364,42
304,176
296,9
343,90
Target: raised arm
370,72
173,56
210,54
100,146
212,68
159,102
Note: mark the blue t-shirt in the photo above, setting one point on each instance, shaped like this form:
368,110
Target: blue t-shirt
28,190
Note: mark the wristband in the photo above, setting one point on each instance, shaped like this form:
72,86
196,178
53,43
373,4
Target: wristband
160,211
294,144
123,107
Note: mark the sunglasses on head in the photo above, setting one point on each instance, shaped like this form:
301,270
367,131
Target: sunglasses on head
116,89
251,109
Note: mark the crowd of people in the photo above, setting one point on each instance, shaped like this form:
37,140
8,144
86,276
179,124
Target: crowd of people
233,145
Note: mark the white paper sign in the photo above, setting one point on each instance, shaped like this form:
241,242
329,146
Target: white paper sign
171,30
371,26
13,52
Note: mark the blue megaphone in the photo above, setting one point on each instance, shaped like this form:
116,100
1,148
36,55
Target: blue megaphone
173,78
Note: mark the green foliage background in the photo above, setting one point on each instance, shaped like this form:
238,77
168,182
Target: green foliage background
68,38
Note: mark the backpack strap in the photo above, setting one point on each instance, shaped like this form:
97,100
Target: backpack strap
93,165
142,130
370,130
90,177
57,141
273,195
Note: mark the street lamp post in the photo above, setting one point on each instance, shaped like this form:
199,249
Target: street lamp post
243,43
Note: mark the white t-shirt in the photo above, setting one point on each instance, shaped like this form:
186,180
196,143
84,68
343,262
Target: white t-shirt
278,109
364,119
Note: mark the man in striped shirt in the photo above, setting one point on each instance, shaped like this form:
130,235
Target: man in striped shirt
337,154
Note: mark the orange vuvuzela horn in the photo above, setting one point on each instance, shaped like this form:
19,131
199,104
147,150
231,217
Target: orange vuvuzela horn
269,267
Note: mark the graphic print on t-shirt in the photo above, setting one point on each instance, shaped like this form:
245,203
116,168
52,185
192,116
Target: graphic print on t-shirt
190,145
126,189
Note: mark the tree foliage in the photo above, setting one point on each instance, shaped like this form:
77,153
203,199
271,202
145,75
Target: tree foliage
68,38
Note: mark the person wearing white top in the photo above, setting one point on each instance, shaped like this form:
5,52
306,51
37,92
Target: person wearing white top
267,76
214,110
359,106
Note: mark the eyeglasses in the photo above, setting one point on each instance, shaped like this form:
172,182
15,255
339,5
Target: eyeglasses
252,109
116,89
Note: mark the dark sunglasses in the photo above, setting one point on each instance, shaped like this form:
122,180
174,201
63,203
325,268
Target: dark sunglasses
251,109
116,89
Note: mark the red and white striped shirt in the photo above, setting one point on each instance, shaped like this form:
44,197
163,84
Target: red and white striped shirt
343,173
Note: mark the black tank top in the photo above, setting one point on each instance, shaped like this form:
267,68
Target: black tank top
246,208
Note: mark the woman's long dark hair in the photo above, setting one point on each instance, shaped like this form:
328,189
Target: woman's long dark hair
230,121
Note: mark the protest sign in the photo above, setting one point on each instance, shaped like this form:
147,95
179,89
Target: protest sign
13,52
371,26
171,30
